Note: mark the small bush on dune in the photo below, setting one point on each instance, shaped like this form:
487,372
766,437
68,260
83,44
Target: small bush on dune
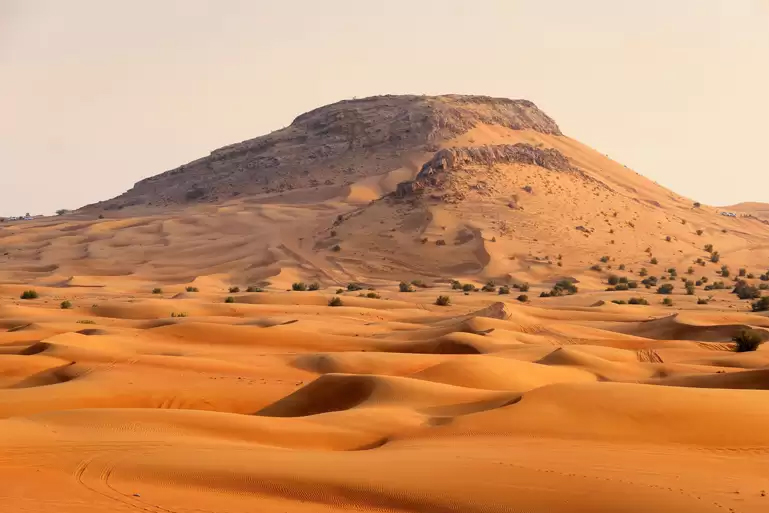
455,285
523,298
643,272
314,286
336,248
743,272
702,301
700,232
299,286
66,305
596,267
747,340
29,294
605,259
654,261
709,248
405,287
229,299
489,287
373,295
637,301
468,287
419,284
335,301
157,290
564,288
85,321
443,301
340,291
666,289
504,289
746,291
234,290
254,289
667,301
613,280
762,305
178,314
352,287
192,289
523,287
715,257
725,271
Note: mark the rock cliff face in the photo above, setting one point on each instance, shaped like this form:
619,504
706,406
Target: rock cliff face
332,145
433,172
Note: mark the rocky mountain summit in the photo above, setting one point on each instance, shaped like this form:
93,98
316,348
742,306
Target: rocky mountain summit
332,145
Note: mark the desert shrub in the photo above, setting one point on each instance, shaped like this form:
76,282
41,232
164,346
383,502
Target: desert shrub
762,305
66,305
336,248
751,276
254,289
654,261
419,283
643,272
468,287
719,285
443,301
747,340
690,270
764,277
157,290
637,301
528,188
621,267
746,291
613,279
504,289
666,289
440,242
605,259
179,314
29,294
623,279
523,298
668,238
742,272
622,287
85,321
335,301
650,281
667,301
763,286
698,283
725,271
523,287
702,301
192,289
704,279
690,289
489,287
340,291
405,287
234,290
564,288
596,267
544,294
299,286
700,232
352,287
619,301
715,257
229,299
709,248
313,286
632,284
455,285
373,295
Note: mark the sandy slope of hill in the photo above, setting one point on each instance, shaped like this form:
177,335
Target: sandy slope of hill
200,397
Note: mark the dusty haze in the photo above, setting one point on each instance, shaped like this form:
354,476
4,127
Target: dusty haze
96,96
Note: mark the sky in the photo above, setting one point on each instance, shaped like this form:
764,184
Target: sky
96,95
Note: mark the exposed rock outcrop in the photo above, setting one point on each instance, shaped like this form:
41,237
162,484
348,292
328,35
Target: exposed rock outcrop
332,145
450,159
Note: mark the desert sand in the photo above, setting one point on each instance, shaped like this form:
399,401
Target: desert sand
197,397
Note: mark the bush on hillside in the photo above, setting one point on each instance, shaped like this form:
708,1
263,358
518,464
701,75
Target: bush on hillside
637,301
66,305
335,301
666,289
234,290
762,305
747,340
229,299
443,301
29,294
299,286
405,287
314,286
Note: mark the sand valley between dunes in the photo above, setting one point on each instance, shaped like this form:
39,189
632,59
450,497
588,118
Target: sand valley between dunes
163,363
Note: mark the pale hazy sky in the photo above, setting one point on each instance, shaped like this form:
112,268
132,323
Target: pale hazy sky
97,94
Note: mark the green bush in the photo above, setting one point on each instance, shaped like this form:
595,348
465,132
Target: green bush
747,340
742,272
700,232
605,259
335,301
340,291
667,301
455,285
523,298
596,267
725,271
373,295
29,294
336,248
762,305
157,290
234,290
523,287
85,321
709,248
643,272
419,284
352,287
654,261
621,267
702,301
613,280
192,289
637,301
564,288
299,286
715,257
666,289
314,286
66,305
254,289
178,314
746,291
489,287
405,287
504,289
468,287
229,299
443,301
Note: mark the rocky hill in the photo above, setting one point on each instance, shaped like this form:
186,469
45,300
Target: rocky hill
332,145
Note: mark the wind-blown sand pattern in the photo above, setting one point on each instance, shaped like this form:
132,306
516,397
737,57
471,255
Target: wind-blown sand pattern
180,402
